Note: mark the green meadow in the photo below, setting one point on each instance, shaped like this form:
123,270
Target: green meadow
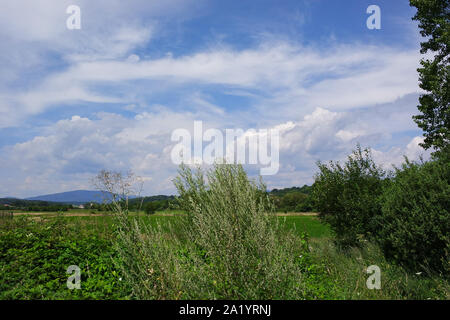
35,252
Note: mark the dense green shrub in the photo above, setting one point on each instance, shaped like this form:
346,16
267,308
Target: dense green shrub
293,199
151,207
347,196
35,254
305,206
415,229
290,202
407,213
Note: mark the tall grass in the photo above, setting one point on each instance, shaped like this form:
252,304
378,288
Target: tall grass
228,246
346,268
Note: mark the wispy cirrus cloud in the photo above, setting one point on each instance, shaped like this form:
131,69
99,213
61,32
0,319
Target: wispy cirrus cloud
278,75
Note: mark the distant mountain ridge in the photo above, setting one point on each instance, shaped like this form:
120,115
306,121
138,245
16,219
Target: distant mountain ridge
76,197
73,197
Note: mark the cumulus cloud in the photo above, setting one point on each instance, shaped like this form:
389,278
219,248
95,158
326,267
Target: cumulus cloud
75,149
396,156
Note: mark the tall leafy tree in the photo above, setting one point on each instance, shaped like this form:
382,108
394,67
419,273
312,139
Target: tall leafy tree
434,23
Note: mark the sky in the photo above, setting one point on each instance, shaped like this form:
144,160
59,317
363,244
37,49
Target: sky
109,95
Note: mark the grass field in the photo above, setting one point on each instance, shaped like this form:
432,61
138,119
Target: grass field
35,252
297,222
308,224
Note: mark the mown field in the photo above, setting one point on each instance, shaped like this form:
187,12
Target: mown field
35,252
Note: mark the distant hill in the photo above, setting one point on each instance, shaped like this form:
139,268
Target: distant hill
73,197
14,202
32,205
150,199
63,199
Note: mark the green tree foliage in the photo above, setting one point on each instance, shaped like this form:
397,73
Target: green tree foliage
406,212
281,192
415,229
97,206
33,205
347,196
293,202
49,208
293,199
151,207
434,21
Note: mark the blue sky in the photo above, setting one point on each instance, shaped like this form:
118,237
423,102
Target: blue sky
73,102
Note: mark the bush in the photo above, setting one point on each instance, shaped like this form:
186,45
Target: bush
292,201
151,207
416,223
35,254
306,206
229,219
347,271
228,246
346,196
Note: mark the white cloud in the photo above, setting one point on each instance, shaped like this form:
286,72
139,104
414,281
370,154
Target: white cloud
45,20
276,65
322,99
36,43
288,77
396,156
71,151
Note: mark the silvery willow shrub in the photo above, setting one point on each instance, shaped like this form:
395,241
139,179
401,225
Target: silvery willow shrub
228,245
230,220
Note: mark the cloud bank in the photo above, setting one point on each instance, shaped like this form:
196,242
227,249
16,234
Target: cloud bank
106,97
